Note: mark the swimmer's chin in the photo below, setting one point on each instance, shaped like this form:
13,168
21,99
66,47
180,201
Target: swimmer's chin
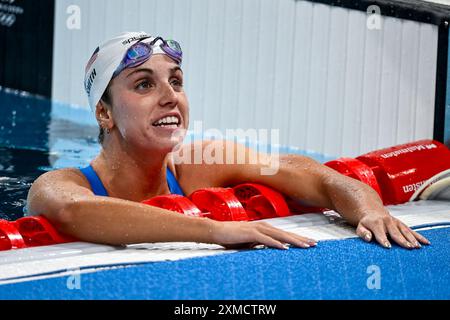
167,140
163,146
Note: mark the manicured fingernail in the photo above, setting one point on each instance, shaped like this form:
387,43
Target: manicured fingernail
387,245
418,245
367,236
285,247
305,245
409,245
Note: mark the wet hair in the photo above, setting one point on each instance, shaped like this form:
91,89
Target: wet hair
106,97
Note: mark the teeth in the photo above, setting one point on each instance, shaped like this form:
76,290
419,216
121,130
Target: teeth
167,126
167,120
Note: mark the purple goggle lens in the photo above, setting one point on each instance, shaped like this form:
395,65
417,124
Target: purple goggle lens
141,52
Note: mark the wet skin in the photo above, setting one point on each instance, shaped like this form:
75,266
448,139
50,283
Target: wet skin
132,166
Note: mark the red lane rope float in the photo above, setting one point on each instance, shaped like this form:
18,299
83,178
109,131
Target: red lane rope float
357,170
38,231
261,202
175,202
10,237
221,203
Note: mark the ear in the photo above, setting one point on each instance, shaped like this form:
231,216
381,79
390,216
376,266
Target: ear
103,115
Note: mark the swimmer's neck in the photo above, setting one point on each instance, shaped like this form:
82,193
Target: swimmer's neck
133,177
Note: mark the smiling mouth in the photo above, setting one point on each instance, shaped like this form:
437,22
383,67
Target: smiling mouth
171,122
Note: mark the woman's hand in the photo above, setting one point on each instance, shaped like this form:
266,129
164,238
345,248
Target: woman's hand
233,235
383,224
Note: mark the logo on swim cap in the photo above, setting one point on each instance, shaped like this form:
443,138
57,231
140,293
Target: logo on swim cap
137,38
92,60
90,81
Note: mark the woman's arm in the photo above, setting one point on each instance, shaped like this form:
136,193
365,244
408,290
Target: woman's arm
359,204
306,180
64,198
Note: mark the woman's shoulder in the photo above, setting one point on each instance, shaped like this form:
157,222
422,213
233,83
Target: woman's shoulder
65,175
52,189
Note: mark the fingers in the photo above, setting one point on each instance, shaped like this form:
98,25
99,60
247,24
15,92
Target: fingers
421,238
285,237
270,242
406,232
396,227
398,232
414,236
364,233
378,228
379,231
398,236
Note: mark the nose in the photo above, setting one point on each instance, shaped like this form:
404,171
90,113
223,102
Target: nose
168,97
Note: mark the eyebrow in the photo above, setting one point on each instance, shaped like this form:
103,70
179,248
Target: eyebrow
148,70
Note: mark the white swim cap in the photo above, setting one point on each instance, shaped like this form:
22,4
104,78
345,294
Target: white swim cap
106,59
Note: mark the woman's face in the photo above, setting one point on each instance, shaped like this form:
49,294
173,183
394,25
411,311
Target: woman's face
150,108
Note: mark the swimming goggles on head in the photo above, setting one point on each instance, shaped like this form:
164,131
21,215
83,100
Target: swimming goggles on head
142,51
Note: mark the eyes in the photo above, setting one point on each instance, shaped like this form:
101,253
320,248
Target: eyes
147,84
143,85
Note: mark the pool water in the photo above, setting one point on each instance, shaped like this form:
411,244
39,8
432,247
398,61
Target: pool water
18,169
37,135
33,141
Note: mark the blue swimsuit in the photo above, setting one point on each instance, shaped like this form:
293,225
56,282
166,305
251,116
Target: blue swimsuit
99,189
